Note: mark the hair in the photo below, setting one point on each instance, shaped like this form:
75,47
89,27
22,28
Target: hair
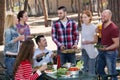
25,53
10,20
20,14
63,8
38,38
88,13
109,12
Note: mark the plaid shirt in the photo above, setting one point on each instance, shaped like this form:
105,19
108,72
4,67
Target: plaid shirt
26,29
65,36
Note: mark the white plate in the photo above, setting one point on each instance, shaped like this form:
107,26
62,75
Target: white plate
50,72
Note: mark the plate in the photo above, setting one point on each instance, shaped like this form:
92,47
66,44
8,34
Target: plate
50,71
71,51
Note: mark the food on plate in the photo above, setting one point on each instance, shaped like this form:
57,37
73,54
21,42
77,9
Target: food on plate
80,64
71,51
48,70
61,71
73,69
99,46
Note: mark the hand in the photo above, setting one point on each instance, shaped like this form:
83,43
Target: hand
39,55
74,46
21,38
86,42
62,48
53,55
43,67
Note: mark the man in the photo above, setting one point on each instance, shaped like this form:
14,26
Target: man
65,35
41,54
110,41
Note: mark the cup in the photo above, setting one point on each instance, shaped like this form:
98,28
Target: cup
68,65
55,66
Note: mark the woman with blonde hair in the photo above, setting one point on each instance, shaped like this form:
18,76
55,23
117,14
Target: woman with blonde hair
11,42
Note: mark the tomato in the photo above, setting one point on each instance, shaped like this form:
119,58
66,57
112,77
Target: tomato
73,69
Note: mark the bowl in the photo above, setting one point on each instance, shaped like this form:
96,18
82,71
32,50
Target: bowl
74,73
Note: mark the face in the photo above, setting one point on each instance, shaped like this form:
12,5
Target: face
25,17
42,42
105,17
61,14
85,18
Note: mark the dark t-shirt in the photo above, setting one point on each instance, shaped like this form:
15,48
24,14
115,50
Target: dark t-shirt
108,33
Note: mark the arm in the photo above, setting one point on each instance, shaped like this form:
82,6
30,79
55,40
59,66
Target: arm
75,33
114,45
54,35
27,72
8,38
95,38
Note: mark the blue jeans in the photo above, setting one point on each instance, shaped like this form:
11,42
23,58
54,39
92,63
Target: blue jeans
9,63
107,58
89,64
67,58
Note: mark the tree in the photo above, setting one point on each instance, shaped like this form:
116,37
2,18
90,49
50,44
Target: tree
113,5
2,19
45,12
25,5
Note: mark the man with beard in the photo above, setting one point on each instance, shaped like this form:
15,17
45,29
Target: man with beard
65,35
110,41
41,54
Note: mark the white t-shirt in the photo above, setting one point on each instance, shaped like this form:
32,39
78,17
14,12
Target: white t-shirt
64,23
87,34
46,59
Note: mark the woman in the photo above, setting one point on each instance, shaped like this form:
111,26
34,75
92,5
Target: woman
22,26
11,41
89,38
23,65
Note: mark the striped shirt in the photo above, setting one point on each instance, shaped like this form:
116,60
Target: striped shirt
67,36
24,72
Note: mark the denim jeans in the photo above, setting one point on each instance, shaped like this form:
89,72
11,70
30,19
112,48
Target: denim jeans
107,58
89,64
67,58
9,63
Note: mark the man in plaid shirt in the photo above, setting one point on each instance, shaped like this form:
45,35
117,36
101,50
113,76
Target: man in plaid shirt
65,35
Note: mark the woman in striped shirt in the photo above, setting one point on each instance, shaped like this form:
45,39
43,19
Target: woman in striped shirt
23,65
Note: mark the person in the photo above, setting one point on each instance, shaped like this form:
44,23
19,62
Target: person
23,64
66,36
41,54
11,43
110,41
88,39
22,26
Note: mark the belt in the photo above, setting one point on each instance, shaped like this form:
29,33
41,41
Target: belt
11,56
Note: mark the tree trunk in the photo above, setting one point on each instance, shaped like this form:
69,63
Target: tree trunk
25,5
2,19
79,11
113,5
45,12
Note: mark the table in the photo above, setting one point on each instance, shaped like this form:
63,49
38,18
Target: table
83,76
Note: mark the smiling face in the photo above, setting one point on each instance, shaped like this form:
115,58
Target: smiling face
25,17
61,14
85,19
106,16
42,42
